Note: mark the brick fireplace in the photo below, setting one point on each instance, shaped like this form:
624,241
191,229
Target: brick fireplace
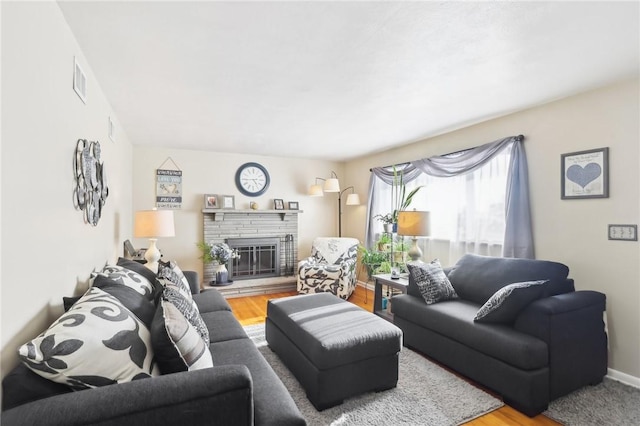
254,233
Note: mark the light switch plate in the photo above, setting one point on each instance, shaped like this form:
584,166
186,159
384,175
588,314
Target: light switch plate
623,232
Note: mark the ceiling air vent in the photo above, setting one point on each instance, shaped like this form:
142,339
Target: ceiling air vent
79,81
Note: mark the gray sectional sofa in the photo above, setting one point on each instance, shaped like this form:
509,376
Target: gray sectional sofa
240,389
552,346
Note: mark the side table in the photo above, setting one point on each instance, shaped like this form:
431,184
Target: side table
385,280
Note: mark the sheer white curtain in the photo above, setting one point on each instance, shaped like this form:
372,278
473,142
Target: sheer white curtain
468,208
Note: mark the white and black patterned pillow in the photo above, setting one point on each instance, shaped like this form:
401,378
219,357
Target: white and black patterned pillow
170,274
189,309
98,342
432,282
176,343
129,278
138,304
134,266
506,303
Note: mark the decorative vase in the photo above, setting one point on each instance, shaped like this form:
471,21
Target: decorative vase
222,275
388,227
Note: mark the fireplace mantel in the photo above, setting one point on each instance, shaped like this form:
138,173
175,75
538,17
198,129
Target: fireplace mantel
218,214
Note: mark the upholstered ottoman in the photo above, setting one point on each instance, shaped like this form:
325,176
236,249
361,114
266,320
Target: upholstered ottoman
335,349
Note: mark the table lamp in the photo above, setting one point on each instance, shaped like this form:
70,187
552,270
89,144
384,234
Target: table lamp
414,224
153,224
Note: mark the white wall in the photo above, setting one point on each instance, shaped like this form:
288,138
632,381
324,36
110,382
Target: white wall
214,173
48,251
573,232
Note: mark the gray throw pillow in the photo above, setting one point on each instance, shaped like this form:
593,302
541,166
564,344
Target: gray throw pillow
189,309
506,303
432,282
177,345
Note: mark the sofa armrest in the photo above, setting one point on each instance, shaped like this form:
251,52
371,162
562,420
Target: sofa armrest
218,395
534,319
572,325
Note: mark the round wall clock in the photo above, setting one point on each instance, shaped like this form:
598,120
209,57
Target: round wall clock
252,179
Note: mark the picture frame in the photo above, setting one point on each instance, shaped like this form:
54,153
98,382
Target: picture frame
278,204
293,205
211,201
585,174
228,201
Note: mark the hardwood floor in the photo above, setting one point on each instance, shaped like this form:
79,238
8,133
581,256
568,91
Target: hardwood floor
253,310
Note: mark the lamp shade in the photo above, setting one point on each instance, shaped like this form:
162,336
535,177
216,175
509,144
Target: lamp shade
315,191
331,185
414,223
353,200
154,224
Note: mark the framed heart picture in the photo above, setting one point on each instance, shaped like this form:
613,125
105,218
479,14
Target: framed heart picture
585,174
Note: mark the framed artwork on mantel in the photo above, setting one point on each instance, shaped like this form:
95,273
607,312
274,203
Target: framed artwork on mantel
228,201
211,201
585,174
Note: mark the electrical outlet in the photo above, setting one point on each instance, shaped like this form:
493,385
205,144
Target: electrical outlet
623,232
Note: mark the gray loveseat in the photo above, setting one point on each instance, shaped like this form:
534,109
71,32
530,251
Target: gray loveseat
555,345
241,388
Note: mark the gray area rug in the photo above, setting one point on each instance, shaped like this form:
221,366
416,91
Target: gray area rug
609,403
426,395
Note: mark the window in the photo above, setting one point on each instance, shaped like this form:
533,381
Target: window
467,210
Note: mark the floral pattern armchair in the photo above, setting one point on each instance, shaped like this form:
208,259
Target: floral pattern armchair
330,268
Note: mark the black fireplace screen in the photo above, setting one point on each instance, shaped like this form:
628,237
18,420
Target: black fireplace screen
259,257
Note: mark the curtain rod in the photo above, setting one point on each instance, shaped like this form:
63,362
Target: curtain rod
519,138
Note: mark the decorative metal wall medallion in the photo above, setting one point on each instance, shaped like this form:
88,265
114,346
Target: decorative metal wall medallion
91,190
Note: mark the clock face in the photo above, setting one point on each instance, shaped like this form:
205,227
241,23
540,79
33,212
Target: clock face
252,179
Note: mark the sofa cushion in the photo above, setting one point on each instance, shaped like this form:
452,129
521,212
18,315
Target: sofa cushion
22,385
506,303
188,308
211,300
454,320
223,325
432,282
477,278
176,343
97,342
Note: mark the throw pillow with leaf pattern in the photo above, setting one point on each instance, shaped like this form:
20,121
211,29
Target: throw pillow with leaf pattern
97,342
130,279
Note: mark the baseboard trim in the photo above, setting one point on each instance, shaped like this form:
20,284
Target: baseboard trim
625,378
367,285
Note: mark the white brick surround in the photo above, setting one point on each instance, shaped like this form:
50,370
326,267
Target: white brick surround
218,225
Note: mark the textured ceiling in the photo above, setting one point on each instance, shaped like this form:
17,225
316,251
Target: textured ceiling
337,80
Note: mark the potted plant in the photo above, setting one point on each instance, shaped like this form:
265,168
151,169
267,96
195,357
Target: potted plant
400,199
218,254
383,242
387,221
372,260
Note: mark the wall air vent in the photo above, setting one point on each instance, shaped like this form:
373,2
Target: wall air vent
111,130
79,81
